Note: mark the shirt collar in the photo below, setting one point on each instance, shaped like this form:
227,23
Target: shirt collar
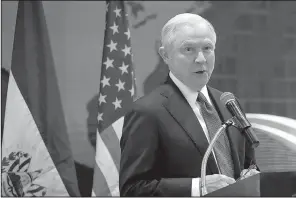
189,94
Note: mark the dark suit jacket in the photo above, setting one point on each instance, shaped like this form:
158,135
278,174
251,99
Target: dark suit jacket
163,145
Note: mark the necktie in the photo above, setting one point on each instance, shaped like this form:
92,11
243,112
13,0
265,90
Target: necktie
221,147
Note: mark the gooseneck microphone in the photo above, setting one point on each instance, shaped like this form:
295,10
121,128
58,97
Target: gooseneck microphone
233,107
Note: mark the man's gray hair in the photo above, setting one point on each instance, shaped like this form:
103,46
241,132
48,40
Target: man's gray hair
180,20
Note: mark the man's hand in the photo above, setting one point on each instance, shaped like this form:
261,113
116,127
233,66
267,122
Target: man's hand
217,181
247,173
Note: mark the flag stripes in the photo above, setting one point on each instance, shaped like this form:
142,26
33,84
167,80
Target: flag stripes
107,170
24,135
101,186
107,166
111,141
117,126
35,127
117,90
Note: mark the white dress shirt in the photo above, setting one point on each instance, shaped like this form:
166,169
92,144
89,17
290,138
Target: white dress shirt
191,96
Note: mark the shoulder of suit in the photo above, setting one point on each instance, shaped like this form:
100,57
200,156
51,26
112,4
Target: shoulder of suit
217,92
155,98
214,90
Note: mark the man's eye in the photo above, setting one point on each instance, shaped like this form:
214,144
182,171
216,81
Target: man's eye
188,49
208,48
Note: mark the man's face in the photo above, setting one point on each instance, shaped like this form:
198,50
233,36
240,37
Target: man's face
191,57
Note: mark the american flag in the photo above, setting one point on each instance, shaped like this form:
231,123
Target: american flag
117,90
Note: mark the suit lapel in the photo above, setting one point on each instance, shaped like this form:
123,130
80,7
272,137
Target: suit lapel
181,111
233,134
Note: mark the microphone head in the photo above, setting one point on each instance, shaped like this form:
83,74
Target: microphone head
226,97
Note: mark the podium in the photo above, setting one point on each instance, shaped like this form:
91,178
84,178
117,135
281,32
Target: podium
265,184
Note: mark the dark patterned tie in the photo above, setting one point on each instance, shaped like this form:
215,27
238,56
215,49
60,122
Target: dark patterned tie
221,148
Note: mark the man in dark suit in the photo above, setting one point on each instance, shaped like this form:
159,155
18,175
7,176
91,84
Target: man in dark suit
167,132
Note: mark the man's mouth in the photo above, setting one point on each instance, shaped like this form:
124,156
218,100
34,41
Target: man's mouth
200,72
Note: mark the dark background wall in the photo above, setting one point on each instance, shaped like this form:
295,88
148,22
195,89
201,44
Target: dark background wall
257,54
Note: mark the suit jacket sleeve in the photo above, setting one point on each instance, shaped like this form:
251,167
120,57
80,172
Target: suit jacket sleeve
140,166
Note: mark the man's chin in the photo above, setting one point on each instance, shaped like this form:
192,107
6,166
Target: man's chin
197,86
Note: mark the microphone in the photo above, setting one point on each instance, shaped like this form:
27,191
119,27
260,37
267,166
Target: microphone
233,107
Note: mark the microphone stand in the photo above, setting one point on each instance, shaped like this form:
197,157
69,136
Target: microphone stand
202,186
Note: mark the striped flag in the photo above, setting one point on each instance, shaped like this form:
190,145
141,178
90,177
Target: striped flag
36,155
117,89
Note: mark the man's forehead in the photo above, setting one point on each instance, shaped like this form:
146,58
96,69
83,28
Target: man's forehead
191,27
184,19
195,34
196,41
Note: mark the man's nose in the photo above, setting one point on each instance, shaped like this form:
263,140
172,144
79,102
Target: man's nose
200,58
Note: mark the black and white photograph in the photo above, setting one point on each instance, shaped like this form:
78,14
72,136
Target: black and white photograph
148,98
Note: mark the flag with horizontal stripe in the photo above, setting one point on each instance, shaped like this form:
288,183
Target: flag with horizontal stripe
36,153
117,89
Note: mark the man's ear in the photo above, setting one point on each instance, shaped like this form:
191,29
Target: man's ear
162,52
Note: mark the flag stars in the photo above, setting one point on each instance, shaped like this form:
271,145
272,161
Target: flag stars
102,98
128,34
117,12
108,63
114,28
123,68
100,117
117,103
132,90
105,81
120,85
112,46
126,50
117,83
